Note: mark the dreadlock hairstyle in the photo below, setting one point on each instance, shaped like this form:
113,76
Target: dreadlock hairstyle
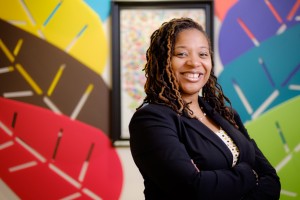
161,85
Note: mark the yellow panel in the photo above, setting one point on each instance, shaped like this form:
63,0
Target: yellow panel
41,10
63,29
13,12
93,54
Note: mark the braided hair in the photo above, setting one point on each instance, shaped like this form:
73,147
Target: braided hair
161,85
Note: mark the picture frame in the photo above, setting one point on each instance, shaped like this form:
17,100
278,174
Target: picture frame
132,23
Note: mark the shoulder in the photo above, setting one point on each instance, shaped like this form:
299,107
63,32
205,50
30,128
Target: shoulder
155,110
149,123
153,114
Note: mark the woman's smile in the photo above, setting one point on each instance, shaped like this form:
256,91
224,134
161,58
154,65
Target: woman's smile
192,76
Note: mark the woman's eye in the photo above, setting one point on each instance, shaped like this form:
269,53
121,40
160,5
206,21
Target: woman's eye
182,54
203,54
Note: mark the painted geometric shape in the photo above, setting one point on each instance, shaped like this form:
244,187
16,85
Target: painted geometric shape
36,72
277,134
249,23
222,7
60,24
265,76
48,156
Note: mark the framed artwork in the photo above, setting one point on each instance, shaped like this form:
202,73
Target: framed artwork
133,22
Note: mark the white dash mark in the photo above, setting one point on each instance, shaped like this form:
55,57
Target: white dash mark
51,105
297,148
82,101
17,22
64,176
283,162
6,70
265,104
6,145
294,87
41,34
288,193
27,12
31,150
243,98
91,194
6,129
18,94
281,29
22,166
255,42
72,196
83,171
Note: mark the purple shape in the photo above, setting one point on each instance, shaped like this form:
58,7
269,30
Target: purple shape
259,19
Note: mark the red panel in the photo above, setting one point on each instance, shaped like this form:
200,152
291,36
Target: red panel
35,141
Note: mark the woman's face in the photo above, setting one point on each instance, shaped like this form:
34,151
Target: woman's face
191,62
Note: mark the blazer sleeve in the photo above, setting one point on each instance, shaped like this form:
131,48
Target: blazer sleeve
163,159
269,186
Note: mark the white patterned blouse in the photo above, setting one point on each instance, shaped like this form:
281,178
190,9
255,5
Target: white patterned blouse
230,144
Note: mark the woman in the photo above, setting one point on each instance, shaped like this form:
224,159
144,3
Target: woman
188,146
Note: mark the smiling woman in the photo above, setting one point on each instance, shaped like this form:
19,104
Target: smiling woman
188,146
129,44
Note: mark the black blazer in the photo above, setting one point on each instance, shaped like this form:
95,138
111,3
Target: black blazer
163,143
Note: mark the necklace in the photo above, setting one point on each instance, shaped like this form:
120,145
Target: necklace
204,114
202,117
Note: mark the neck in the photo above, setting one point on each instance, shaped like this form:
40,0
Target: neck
192,99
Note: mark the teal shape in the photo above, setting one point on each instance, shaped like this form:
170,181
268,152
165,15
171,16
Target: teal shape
260,82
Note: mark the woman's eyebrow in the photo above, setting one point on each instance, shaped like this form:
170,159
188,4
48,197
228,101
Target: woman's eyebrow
181,46
184,47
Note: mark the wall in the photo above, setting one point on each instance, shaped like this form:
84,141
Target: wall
55,80
258,45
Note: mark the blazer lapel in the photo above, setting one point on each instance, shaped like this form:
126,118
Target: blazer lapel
221,121
238,137
203,130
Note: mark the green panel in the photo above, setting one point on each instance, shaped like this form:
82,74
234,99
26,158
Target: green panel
277,133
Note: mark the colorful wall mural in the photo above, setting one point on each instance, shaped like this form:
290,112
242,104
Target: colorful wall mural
54,102
259,49
54,105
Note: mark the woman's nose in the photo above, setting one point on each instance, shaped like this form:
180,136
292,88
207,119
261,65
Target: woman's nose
193,61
